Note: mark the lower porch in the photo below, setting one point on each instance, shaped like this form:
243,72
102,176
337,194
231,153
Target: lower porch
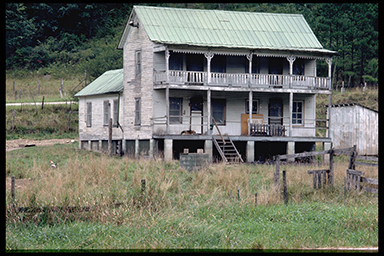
253,149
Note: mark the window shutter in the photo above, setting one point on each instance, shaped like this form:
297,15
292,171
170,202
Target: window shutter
89,114
106,112
115,106
137,111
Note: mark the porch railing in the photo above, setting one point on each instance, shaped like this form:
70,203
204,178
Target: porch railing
240,79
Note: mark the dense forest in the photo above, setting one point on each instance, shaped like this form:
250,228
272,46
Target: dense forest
49,37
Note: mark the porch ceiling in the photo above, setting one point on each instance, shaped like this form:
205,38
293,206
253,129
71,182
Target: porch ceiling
246,138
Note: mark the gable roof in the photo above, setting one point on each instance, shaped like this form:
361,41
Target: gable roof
230,29
109,82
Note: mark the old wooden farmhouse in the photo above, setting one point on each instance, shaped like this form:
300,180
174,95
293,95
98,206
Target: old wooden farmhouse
239,85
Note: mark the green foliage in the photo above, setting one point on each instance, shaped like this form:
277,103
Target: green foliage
39,35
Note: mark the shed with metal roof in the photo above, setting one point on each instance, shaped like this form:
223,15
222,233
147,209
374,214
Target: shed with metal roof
354,124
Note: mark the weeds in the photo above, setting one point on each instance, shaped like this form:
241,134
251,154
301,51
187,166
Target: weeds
180,209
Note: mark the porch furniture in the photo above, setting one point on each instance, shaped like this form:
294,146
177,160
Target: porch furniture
266,129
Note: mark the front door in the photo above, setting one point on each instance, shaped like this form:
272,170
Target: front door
275,111
196,118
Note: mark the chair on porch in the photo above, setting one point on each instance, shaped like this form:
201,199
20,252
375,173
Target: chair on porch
256,126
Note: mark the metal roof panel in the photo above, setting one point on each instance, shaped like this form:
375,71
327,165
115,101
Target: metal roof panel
109,82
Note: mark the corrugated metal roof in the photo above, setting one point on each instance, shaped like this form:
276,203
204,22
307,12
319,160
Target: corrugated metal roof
232,29
109,82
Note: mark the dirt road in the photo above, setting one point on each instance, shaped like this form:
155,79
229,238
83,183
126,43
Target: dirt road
20,143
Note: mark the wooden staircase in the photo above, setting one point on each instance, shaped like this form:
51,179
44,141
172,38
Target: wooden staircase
226,148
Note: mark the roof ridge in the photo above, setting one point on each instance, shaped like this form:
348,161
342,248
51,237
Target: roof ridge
209,10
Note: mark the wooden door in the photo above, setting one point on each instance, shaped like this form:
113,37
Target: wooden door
244,122
196,118
275,112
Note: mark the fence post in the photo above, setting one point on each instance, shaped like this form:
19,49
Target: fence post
42,103
331,170
255,199
13,120
13,189
277,174
285,187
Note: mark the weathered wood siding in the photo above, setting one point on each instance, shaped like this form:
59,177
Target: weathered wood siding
355,125
138,86
235,106
97,131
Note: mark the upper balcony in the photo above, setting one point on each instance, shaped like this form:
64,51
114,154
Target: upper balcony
239,80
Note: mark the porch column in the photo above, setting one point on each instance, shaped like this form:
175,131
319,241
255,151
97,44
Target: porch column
249,57
290,150
208,148
250,106
291,59
250,151
329,62
137,148
167,65
209,55
290,113
167,108
209,132
168,150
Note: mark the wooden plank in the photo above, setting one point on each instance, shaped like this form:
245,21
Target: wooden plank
366,164
371,190
315,171
369,180
368,158
354,172
314,180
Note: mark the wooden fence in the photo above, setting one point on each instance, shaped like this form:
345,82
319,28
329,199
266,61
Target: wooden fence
354,179
317,173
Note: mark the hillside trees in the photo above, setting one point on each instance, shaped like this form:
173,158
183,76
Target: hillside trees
86,34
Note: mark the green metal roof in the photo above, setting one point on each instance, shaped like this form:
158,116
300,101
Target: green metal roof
230,29
109,82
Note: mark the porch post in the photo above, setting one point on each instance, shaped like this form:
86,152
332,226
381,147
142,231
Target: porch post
167,108
291,59
209,132
167,65
290,113
250,106
209,55
249,57
329,62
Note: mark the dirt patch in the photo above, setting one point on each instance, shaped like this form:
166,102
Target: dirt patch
21,143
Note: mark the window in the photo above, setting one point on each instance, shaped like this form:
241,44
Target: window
115,110
275,66
175,110
255,104
218,111
298,67
218,64
297,112
137,111
176,61
89,114
138,63
106,112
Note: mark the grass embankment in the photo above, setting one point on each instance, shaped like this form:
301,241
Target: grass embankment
32,122
178,209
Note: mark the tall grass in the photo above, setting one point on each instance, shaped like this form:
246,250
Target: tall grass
177,208
34,122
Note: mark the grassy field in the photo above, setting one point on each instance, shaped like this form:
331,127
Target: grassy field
32,122
210,209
